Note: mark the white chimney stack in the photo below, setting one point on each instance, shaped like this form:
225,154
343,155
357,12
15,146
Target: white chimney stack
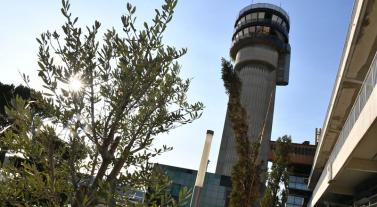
202,169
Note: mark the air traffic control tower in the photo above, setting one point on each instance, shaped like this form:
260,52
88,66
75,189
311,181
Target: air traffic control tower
261,51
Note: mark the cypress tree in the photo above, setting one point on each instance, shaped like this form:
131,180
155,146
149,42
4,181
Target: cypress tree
246,181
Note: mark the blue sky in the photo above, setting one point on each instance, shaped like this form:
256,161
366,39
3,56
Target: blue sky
317,35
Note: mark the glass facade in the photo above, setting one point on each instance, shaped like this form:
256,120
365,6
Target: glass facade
295,201
248,31
261,22
261,16
297,182
215,192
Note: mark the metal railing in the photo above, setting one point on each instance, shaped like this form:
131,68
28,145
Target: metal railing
366,89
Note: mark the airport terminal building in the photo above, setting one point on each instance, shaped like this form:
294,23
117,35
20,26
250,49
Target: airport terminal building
344,172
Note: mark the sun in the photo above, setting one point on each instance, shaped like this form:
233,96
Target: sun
75,83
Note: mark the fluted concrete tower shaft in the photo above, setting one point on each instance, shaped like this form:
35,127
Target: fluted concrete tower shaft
261,52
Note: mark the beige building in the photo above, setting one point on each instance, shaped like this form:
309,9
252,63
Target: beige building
344,171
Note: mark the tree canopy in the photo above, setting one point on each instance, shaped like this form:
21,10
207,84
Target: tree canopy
7,93
106,100
277,183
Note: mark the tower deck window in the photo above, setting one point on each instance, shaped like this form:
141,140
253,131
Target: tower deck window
246,31
258,29
254,16
242,20
240,34
248,18
252,29
261,15
266,30
284,25
274,18
279,20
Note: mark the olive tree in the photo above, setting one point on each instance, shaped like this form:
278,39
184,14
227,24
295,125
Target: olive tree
105,101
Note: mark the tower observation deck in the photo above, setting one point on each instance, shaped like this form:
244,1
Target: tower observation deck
261,52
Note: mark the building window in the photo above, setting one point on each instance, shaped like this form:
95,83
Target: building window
258,29
254,16
248,18
240,34
242,20
274,18
279,20
282,38
295,201
238,23
246,31
175,188
297,182
266,30
284,25
261,15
